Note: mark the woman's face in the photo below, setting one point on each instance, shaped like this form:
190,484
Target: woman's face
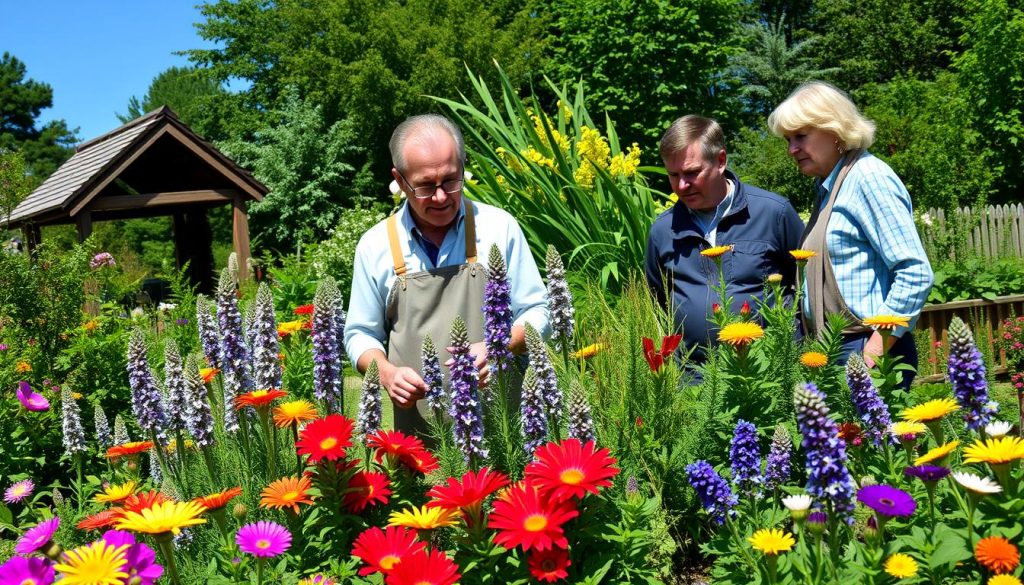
815,151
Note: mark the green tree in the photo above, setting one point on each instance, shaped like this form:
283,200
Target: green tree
183,89
21,101
15,184
646,62
760,158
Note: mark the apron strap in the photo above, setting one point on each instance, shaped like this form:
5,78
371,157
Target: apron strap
397,258
470,233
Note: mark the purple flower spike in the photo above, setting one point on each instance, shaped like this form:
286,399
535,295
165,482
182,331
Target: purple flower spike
466,410
497,312
746,459
327,375
535,424
927,473
887,500
263,539
779,463
967,374
869,405
33,401
141,566
713,491
19,491
35,538
37,570
828,479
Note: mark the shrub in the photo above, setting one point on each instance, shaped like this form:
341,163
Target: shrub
334,256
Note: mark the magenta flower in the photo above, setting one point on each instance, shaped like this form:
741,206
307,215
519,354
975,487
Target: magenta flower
927,473
263,539
36,537
887,500
37,570
19,491
31,400
141,567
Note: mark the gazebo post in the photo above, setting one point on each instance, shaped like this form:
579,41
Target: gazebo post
32,235
84,224
240,235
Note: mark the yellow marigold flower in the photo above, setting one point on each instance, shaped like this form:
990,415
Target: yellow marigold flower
995,451
1004,580
771,541
740,334
802,255
886,322
76,395
814,359
290,327
98,563
295,412
715,252
905,427
901,566
931,410
938,453
116,493
590,350
424,518
22,367
163,517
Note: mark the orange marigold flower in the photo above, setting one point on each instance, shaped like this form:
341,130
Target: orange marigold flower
295,412
133,448
325,438
23,367
287,492
289,327
814,359
997,554
220,499
258,398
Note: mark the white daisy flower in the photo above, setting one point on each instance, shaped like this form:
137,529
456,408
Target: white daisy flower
998,428
797,503
975,484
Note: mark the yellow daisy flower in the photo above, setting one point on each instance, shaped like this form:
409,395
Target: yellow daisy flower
931,410
715,252
802,255
289,327
740,334
814,359
887,322
1004,580
772,541
98,563
590,351
906,427
22,367
424,518
938,453
163,517
116,493
900,566
295,412
995,451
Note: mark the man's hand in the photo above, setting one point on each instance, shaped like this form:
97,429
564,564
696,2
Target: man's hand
478,349
873,348
404,385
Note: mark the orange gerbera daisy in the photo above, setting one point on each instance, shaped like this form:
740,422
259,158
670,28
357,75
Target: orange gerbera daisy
469,493
133,448
287,492
208,374
295,412
407,449
258,398
143,501
365,488
385,549
425,567
525,518
997,554
814,359
326,438
571,469
218,500
100,520
548,565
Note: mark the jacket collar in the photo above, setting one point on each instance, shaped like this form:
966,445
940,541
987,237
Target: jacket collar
682,222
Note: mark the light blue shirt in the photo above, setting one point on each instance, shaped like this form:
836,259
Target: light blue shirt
877,257
374,271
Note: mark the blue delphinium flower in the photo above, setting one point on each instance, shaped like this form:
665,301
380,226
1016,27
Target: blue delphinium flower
209,332
369,416
326,358
432,376
713,491
71,417
467,412
547,381
146,402
868,404
103,438
534,421
967,374
233,351
198,417
497,312
828,479
580,422
746,459
266,366
778,466
174,382
560,307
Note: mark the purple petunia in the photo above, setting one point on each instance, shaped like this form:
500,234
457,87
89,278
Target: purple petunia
828,479
869,405
33,401
19,491
141,566
713,491
966,370
927,473
36,570
887,500
466,410
746,459
36,537
263,539
497,310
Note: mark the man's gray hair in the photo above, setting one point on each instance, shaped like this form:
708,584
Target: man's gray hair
693,128
423,123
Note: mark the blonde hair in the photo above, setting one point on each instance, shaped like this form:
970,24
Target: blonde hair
693,128
821,105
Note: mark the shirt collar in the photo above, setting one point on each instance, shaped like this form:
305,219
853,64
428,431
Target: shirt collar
825,186
410,223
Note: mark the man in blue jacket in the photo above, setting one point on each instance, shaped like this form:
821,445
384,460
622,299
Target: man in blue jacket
714,209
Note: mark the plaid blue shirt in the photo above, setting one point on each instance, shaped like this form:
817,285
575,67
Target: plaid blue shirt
879,262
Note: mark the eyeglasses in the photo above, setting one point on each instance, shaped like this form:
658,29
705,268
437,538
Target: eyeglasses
450,186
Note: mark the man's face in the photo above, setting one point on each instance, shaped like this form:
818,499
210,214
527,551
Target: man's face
699,183
431,158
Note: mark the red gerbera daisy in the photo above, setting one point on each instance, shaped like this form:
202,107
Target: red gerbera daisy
407,449
523,517
218,500
570,469
304,310
100,520
325,438
425,568
549,565
126,449
143,501
384,549
365,488
469,492
258,398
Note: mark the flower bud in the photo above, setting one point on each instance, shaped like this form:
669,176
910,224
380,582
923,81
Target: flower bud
240,512
775,278
745,309
716,308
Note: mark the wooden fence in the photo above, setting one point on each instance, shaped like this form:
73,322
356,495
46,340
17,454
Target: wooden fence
998,233
985,320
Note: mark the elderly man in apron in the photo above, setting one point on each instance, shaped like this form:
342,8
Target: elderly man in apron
417,270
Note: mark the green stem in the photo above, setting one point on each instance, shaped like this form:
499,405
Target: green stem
264,416
166,543
211,466
162,459
741,546
295,441
259,571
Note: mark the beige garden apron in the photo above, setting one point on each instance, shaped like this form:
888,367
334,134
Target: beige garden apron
425,303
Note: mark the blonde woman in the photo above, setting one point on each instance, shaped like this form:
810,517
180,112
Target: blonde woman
869,260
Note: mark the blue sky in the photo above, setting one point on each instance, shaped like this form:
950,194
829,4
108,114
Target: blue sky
97,54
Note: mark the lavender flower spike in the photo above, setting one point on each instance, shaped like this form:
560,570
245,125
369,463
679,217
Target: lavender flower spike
102,425
146,404
828,479
121,435
467,411
266,367
74,436
713,491
368,419
326,357
174,381
233,352
966,372
581,423
432,377
547,381
559,300
198,417
746,459
778,467
534,423
209,332
497,312
869,406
